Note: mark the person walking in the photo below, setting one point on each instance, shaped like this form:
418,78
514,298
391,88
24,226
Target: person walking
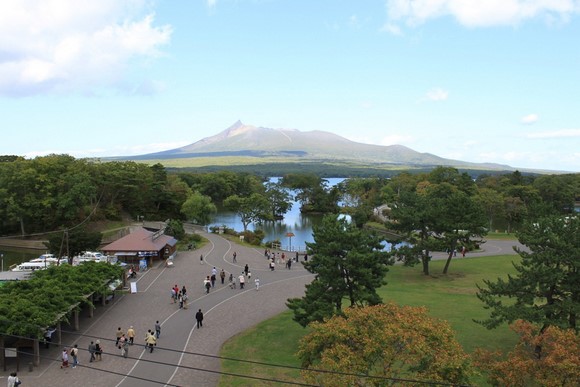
246,269
157,329
92,350
257,282
212,279
201,259
131,334
74,353
98,350
223,276
118,335
124,346
64,358
184,296
242,280
207,284
151,341
199,318
234,257
13,380
180,300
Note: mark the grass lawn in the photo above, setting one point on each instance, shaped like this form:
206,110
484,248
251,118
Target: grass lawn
452,297
273,341
449,297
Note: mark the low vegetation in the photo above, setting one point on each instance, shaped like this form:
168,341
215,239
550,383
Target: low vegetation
448,297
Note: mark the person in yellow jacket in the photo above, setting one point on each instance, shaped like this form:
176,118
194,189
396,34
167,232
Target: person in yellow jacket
131,334
151,341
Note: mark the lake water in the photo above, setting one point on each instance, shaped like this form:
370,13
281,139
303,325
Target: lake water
294,222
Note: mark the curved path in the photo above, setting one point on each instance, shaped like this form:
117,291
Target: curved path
180,356
227,312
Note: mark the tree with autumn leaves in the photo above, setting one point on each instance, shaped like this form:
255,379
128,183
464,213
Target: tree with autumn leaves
549,357
382,344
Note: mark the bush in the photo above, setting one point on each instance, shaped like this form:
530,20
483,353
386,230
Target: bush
254,238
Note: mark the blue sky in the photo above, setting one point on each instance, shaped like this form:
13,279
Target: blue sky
482,81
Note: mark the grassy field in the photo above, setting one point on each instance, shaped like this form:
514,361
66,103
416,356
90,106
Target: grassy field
449,297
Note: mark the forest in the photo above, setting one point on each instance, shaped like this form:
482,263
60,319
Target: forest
58,191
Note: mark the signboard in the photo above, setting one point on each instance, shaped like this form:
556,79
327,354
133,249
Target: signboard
10,352
133,287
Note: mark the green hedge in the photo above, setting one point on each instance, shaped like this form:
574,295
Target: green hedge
27,307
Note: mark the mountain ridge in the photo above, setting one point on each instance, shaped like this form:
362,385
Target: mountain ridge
241,140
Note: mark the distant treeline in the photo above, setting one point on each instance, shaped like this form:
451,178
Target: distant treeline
58,191
326,170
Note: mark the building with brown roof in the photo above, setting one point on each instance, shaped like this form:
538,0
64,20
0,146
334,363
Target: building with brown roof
142,247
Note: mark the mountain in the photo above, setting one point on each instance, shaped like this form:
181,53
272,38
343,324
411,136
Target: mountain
250,141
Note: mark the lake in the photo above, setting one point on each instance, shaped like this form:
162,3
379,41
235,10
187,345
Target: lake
294,222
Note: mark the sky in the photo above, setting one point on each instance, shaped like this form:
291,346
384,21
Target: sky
481,81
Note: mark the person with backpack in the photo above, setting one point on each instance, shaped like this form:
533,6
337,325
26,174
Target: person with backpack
13,380
74,353
207,284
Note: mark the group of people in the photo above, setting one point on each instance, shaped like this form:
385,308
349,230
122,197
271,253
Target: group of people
179,296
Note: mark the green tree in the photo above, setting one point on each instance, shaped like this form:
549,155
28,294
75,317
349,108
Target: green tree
175,229
349,263
412,217
199,208
279,199
492,202
73,242
436,215
251,209
366,345
459,219
545,290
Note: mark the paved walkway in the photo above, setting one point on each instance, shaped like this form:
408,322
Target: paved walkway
180,357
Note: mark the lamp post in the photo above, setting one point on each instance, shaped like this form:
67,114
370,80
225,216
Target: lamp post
289,235
2,257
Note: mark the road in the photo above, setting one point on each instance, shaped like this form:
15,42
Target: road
184,356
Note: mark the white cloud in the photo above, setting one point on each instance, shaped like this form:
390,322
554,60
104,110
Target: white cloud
437,95
530,119
480,13
396,139
555,134
211,3
392,29
57,45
